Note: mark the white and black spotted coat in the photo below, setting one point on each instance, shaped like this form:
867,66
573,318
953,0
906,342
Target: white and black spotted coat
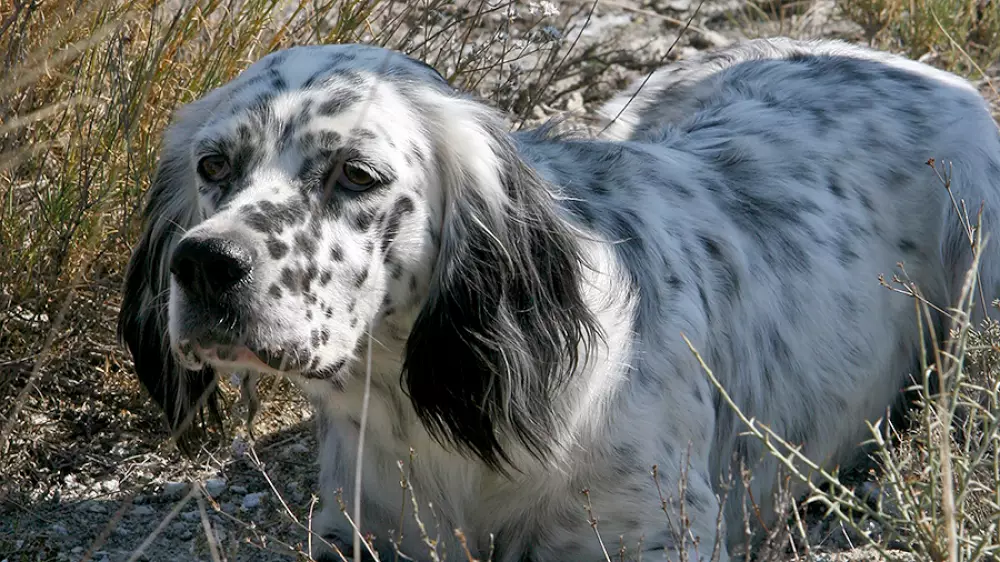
526,295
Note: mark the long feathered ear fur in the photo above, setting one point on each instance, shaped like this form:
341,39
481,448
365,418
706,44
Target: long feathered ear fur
189,399
505,319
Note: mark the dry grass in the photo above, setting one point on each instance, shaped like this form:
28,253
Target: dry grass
86,89
960,35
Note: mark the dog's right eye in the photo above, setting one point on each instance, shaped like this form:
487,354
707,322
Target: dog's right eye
214,168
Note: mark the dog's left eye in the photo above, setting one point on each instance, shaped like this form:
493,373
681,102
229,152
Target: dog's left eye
214,168
355,177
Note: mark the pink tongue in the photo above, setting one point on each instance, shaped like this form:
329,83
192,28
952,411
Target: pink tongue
244,354
239,355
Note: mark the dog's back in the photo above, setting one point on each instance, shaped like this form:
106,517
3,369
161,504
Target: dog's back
882,144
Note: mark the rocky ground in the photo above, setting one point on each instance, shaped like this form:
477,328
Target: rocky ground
95,478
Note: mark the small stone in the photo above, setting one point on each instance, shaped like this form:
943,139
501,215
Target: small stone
298,448
707,39
228,507
111,485
177,529
142,510
295,492
215,486
676,5
95,507
251,501
192,515
239,489
175,489
574,101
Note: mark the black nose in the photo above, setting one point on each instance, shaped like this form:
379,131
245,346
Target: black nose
207,268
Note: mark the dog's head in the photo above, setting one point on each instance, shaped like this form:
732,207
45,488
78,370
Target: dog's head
327,189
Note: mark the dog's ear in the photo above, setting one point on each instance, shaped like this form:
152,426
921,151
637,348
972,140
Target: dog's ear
189,399
505,321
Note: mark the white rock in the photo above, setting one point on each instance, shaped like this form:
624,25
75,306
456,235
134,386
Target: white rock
95,507
298,448
295,492
110,485
708,39
251,501
175,489
574,101
215,486
142,510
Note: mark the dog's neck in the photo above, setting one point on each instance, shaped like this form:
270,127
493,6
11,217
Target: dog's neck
392,426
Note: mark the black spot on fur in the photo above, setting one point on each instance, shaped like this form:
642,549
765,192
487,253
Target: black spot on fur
845,251
359,133
836,189
336,253
704,302
276,60
305,244
396,270
324,278
907,246
290,279
276,248
599,187
363,219
329,139
337,102
274,291
725,270
287,214
307,278
867,203
286,135
360,278
261,223
402,207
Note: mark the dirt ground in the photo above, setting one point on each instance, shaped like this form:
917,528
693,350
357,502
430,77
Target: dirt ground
92,475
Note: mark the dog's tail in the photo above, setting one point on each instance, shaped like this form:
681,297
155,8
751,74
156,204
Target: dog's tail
973,214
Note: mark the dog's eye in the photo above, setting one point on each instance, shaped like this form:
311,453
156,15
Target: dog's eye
214,168
355,177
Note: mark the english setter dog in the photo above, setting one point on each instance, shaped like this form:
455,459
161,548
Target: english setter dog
526,296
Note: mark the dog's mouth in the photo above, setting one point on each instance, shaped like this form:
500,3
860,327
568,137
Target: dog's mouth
195,355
